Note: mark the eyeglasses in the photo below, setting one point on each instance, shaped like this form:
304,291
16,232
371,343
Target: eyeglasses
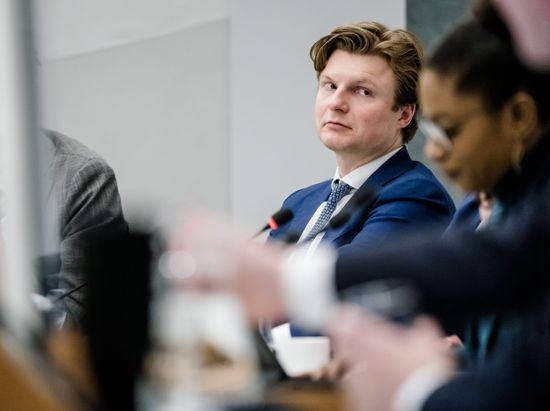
434,132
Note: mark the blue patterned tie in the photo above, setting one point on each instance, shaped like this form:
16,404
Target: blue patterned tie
339,190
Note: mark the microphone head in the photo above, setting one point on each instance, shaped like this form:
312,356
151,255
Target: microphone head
339,220
279,218
275,221
362,196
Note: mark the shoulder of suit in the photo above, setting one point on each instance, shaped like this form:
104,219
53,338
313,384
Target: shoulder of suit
303,192
66,148
418,170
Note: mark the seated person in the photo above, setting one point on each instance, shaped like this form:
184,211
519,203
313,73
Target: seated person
82,193
473,213
364,113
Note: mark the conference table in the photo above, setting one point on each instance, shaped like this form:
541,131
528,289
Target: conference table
57,377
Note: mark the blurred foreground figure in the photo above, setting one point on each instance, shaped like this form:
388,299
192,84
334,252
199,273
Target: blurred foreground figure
528,22
487,137
379,358
390,367
487,272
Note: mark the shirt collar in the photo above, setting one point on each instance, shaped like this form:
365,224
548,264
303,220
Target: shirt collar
357,177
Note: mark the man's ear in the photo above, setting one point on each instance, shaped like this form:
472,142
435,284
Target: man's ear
407,114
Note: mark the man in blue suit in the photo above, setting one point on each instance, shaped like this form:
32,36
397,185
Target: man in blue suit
364,113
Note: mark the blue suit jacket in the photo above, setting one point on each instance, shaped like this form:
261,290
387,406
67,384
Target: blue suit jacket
406,196
466,216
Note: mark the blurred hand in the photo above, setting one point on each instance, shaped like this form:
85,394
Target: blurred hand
208,253
452,342
378,355
333,371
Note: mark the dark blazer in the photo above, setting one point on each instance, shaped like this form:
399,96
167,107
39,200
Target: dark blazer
468,274
515,379
467,215
402,195
501,269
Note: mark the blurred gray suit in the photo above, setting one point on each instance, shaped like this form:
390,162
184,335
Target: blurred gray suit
82,201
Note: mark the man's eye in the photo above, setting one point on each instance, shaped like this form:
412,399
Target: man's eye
363,91
329,86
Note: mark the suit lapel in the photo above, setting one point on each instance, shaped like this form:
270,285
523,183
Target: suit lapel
399,163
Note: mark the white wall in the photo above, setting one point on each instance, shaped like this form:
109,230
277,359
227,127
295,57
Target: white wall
212,104
77,27
155,105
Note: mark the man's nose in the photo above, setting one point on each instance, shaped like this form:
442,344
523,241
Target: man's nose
339,101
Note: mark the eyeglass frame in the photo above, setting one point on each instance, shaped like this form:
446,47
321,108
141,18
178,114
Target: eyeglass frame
435,132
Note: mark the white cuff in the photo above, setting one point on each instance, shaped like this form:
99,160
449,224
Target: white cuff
417,387
307,284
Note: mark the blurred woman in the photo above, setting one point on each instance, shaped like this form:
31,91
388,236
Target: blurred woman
485,116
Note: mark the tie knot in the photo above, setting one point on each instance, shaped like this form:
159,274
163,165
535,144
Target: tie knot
339,190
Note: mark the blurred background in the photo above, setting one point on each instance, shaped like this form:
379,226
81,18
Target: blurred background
207,102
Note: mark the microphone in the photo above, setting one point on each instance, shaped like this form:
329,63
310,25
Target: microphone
281,217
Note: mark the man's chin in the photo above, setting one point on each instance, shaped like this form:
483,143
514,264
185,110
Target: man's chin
338,145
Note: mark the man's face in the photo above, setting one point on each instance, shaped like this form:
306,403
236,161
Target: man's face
354,107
